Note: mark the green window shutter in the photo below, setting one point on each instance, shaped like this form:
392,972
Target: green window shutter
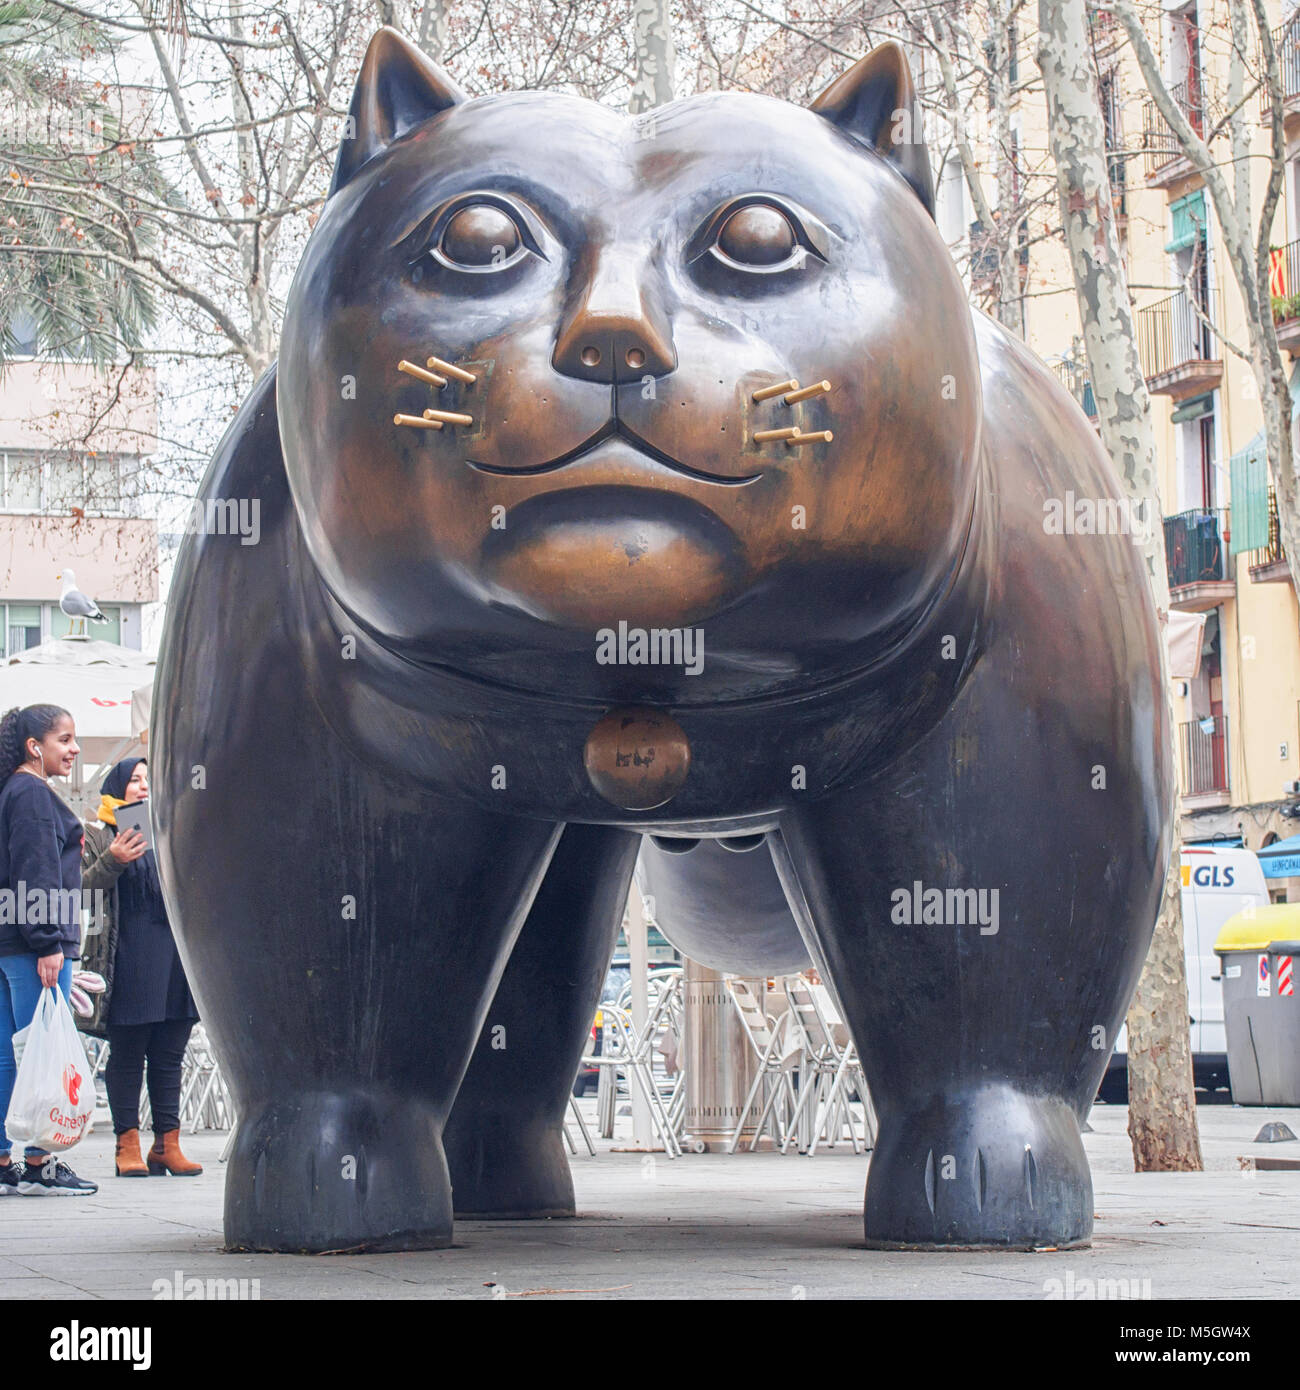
1189,221
1193,409
1249,473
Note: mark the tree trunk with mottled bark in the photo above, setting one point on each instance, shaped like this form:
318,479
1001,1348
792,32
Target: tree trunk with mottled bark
655,59
433,28
1162,1100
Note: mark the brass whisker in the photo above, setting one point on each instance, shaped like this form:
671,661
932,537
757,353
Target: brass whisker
817,437
417,422
818,388
769,391
412,370
449,417
451,370
762,436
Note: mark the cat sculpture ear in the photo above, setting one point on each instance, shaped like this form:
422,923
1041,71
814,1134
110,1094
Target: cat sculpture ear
397,88
875,102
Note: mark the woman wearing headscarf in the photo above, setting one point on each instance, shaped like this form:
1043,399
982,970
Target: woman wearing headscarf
40,854
146,1010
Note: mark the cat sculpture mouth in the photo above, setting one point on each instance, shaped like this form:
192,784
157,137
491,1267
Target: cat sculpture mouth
615,429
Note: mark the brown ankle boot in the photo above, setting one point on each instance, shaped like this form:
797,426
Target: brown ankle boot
128,1160
166,1156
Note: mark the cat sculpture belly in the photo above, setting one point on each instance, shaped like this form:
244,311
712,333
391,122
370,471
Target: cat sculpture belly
649,476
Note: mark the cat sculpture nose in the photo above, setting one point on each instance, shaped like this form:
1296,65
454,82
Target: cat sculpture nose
614,332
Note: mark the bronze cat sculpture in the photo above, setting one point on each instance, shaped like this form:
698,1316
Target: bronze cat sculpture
649,476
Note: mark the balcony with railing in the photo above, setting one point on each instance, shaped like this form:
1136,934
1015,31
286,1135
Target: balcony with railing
1268,564
1196,554
1179,351
1203,757
1286,44
1074,377
1284,291
1166,160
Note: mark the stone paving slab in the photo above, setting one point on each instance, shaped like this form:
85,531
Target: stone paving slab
752,1226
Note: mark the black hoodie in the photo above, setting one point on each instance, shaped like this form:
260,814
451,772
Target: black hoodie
40,860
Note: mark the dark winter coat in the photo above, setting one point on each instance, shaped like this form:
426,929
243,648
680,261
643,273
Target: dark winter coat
134,949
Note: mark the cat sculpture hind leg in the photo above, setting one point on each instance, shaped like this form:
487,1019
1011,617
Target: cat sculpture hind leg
503,1142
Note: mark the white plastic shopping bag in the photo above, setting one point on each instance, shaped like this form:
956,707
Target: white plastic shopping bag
54,1096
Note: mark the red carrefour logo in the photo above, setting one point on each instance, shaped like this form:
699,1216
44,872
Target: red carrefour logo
71,1082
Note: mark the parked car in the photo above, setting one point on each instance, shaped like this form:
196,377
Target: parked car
1216,884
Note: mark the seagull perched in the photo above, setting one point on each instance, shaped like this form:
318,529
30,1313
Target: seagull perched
75,604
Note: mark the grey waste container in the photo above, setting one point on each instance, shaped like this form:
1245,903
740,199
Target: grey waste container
1261,1011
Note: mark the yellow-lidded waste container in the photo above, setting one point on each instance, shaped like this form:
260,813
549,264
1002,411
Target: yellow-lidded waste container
1258,950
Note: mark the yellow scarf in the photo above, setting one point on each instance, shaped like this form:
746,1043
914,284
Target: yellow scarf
107,807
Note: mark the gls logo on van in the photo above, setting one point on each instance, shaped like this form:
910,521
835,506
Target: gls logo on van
1213,875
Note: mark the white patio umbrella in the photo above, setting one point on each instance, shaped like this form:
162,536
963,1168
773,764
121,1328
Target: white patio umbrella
95,681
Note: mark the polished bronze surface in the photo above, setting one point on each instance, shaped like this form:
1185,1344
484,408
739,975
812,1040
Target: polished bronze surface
407,742
637,758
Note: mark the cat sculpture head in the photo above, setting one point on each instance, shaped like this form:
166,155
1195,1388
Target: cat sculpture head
599,310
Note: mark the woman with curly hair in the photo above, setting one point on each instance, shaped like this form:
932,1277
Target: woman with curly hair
40,854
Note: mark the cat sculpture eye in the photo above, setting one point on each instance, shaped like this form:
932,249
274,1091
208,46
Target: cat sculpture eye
757,235
761,233
480,232
480,235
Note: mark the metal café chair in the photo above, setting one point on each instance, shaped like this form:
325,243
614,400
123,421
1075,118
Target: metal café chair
849,1076
777,1057
582,1125
205,1101
663,1037
622,1050
823,1108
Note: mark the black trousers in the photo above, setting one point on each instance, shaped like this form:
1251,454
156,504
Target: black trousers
129,1047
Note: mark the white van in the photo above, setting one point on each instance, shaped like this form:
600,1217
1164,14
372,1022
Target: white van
1216,883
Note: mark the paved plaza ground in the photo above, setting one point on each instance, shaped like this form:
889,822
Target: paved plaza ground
752,1226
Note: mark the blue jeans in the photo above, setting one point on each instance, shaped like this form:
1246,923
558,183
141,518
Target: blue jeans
20,992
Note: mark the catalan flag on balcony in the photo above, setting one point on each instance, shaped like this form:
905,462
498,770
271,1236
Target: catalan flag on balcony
1277,272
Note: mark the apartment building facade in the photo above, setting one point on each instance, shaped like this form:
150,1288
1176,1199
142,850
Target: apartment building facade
72,442
1238,725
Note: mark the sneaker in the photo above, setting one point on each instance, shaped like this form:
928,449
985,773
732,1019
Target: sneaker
10,1176
52,1177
